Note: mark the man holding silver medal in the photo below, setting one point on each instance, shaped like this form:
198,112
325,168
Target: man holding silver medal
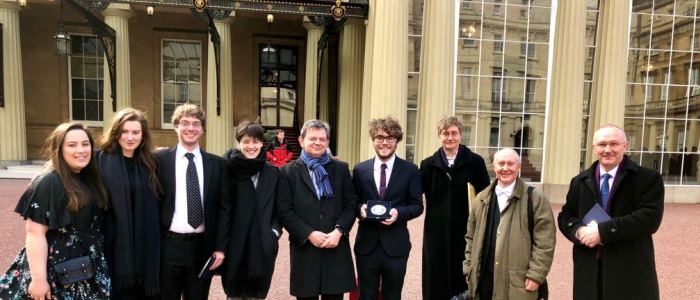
389,191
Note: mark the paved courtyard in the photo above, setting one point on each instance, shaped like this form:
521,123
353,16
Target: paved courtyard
677,252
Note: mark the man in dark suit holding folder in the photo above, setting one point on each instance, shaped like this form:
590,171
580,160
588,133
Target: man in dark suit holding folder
392,187
613,259
195,210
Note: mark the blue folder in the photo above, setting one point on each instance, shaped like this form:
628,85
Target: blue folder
597,213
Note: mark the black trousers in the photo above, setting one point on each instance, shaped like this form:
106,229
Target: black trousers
485,285
379,266
134,293
181,260
323,297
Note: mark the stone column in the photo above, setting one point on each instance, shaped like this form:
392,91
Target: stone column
610,68
323,109
13,132
671,144
220,129
692,136
437,74
117,16
483,127
385,71
350,129
565,114
312,36
652,136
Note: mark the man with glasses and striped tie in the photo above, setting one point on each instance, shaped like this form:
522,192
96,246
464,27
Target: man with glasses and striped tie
613,256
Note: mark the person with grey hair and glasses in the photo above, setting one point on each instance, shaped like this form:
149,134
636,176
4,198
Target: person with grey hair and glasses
612,210
317,206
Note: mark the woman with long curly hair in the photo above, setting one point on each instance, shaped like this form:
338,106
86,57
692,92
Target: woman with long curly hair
128,170
63,208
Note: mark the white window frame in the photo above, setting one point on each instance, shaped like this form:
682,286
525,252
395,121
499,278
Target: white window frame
498,43
649,78
165,124
530,86
695,81
664,86
90,123
466,82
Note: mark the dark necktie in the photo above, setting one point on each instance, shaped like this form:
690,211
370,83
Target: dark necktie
382,182
605,190
195,213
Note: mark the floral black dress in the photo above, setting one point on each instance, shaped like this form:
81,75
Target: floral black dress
70,235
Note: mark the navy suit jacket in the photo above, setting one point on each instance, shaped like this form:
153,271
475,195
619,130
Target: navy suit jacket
403,191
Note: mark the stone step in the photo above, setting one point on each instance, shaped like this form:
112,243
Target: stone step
21,171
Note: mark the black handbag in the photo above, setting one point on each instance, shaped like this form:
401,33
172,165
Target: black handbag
74,270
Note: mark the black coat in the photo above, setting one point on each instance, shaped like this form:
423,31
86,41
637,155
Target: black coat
636,207
404,193
446,214
236,279
217,201
317,271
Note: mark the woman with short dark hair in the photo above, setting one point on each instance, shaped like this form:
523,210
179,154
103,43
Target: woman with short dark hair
251,254
63,208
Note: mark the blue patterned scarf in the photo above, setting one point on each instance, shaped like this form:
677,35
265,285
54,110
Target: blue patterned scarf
320,174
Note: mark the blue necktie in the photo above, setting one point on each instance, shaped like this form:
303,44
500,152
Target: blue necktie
605,190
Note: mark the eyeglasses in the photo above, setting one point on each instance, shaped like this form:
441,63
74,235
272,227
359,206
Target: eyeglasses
447,134
382,139
606,145
186,124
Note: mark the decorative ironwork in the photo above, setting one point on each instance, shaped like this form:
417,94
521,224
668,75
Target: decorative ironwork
330,27
353,9
94,5
2,78
220,14
216,41
319,21
108,37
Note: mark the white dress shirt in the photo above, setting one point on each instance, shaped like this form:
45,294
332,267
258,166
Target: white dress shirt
450,160
378,170
503,194
179,223
612,173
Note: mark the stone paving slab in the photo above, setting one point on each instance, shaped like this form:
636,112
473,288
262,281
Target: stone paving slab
677,252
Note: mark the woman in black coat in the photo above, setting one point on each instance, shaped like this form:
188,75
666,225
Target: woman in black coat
252,250
444,178
132,239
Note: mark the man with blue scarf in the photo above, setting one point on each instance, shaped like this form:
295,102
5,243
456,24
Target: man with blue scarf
317,206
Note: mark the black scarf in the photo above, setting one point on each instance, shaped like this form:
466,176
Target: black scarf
461,151
242,167
131,233
252,263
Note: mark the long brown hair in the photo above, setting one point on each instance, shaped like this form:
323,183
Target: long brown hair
77,197
109,142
